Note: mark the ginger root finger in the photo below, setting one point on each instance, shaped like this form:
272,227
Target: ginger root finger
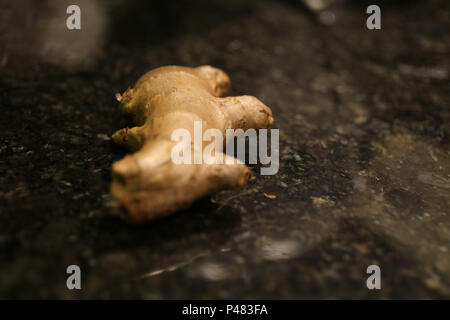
246,112
131,138
148,183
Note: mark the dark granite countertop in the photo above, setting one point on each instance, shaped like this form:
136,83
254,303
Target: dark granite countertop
364,176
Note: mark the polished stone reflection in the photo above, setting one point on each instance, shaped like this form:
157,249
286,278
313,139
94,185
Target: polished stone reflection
39,29
280,250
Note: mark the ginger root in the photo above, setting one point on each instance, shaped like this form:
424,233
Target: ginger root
147,183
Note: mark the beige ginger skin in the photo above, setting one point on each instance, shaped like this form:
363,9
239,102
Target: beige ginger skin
147,183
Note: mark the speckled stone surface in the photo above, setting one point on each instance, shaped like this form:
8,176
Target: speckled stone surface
364,176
